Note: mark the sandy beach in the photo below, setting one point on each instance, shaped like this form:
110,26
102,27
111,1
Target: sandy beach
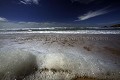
52,56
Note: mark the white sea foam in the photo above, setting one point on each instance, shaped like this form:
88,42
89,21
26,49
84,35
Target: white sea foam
55,66
67,32
54,62
16,63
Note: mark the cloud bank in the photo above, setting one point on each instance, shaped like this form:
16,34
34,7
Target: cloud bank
7,24
21,25
29,1
3,19
92,14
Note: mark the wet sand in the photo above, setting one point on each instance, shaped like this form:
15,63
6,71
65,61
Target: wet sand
61,56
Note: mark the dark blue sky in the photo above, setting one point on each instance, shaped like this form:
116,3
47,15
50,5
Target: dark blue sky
61,11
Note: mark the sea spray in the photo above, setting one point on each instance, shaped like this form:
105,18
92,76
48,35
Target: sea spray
54,66
16,64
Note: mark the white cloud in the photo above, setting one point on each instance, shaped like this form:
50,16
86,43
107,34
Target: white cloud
92,14
83,1
29,1
3,19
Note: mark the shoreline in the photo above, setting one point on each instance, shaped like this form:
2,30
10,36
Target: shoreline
63,56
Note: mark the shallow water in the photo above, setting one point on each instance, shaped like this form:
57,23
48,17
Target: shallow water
59,56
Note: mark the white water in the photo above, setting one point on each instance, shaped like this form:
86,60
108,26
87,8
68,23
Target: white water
68,32
67,61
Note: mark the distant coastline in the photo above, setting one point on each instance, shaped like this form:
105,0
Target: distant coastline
116,25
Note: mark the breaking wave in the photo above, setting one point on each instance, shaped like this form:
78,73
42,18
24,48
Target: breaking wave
22,65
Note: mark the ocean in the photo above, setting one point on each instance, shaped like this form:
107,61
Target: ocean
65,30
59,54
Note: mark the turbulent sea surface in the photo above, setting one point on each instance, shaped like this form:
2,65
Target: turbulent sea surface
60,54
65,30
